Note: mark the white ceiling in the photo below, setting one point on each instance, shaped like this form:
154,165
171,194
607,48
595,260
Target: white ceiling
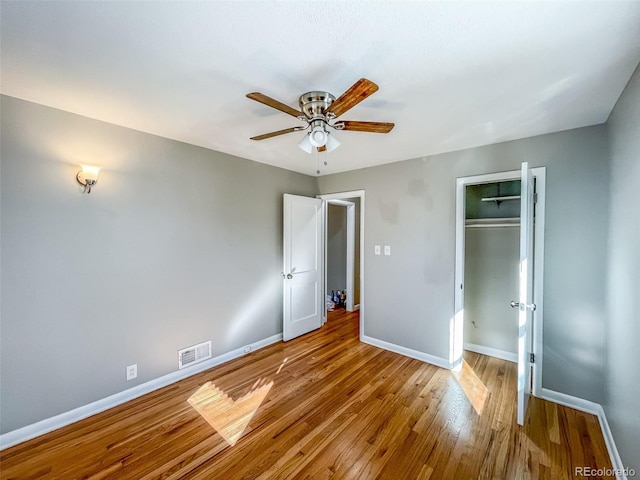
452,75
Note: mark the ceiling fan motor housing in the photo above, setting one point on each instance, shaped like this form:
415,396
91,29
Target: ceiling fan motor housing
315,104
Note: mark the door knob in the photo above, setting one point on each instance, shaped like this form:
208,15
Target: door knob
289,276
514,304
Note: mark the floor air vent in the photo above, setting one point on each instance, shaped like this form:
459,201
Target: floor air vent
196,353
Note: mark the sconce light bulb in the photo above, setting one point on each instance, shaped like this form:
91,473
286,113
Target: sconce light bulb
88,176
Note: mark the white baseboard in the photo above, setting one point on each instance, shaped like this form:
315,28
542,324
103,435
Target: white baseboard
47,425
407,352
570,401
616,461
492,352
594,409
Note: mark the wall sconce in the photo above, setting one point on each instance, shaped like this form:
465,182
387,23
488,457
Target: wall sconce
88,176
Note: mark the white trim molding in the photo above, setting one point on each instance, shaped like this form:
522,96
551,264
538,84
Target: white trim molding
594,409
492,352
407,352
47,425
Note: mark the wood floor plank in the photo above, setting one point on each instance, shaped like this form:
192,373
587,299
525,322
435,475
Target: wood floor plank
329,407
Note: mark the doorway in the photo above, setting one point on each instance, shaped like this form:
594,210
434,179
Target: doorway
341,254
491,266
348,208
462,319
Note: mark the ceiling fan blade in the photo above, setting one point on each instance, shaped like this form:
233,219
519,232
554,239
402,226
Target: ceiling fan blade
373,127
275,134
353,96
259,97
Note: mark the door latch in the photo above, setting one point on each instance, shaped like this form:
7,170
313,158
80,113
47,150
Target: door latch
522,306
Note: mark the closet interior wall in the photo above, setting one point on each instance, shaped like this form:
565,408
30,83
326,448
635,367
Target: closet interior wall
492,236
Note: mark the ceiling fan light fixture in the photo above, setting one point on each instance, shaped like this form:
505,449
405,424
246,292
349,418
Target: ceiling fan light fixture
308,146
305,143
332,142
318,136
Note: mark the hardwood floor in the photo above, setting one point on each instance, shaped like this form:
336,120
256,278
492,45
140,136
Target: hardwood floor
318,407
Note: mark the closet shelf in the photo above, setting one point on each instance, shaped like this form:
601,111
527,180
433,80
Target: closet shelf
500,199
493,222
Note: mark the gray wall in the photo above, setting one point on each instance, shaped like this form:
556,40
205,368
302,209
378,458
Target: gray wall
161,255
410,205
492,257
623,327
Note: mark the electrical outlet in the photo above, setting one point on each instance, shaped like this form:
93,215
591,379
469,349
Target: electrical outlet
132,372
387,249
247,349
376,249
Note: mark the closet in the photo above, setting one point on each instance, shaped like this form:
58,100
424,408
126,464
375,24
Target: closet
492,243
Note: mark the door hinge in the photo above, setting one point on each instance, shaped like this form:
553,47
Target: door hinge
535,198
532,358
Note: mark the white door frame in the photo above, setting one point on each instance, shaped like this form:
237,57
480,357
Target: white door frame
457,333
341,199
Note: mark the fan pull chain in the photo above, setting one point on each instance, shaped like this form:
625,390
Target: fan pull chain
318,162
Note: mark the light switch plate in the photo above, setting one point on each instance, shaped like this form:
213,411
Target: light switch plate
387,249
376,249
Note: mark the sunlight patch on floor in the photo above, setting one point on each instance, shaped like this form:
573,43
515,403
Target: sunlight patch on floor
475,391
228,417
282,365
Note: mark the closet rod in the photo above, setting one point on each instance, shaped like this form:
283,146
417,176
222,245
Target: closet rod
493,222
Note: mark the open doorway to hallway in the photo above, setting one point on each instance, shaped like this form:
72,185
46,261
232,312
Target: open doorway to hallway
344,253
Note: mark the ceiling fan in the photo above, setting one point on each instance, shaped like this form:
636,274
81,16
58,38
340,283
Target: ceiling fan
320,111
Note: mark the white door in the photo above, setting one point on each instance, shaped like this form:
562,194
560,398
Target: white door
525,302
302,265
